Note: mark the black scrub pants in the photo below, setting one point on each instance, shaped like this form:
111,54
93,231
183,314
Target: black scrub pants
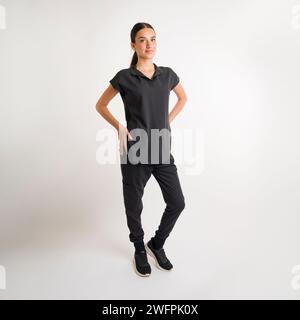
134,180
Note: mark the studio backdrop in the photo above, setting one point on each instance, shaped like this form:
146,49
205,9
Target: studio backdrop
63,232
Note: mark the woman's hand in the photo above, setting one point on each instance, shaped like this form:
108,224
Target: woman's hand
122,135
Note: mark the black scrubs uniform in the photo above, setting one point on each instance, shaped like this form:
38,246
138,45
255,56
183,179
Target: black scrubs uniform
146,103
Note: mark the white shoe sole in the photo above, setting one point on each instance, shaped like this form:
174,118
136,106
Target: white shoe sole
136,270
149,251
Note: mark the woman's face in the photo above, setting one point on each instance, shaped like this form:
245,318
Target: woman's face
145,43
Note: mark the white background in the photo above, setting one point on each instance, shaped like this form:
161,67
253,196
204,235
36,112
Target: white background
63,232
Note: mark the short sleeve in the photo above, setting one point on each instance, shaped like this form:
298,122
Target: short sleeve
115,81
174,79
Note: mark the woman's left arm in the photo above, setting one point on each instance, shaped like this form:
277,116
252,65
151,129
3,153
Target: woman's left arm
182,99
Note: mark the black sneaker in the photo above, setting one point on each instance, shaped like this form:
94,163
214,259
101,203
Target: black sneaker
141,264
162,262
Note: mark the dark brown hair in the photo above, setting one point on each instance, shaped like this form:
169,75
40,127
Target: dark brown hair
135,29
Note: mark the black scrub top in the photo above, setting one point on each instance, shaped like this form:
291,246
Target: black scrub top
146,104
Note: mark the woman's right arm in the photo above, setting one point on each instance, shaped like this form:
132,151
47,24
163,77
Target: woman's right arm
102,103
101,106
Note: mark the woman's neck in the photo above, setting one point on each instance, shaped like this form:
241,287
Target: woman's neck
145,65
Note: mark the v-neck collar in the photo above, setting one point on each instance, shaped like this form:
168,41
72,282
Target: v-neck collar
137,72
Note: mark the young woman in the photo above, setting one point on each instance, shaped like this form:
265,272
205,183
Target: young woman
145,88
